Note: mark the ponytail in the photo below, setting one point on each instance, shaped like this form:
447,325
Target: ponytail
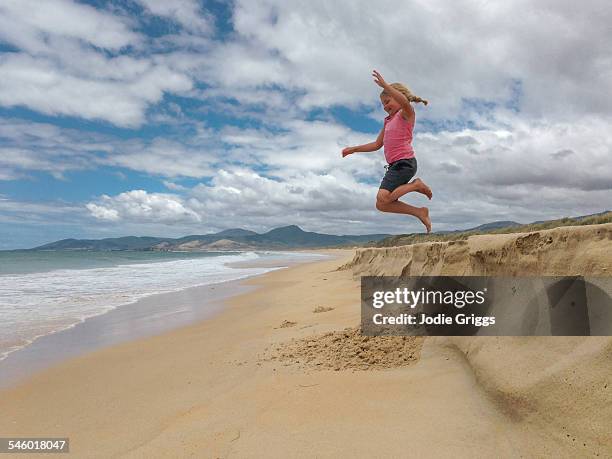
414,98
406,92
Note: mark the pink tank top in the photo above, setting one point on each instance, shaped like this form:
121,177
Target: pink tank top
397,138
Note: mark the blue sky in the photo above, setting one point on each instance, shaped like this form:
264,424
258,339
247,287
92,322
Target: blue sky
159,118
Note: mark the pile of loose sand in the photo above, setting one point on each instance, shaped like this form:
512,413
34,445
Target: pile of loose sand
348,349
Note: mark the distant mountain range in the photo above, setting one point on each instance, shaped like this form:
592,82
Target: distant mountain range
286,237
510,224
232,239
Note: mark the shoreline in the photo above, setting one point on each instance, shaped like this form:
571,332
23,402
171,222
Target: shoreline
153,314
116,401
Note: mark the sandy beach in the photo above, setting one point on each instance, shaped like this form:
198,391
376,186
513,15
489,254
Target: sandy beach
283,371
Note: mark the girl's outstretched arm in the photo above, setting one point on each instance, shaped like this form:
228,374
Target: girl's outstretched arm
398,96
372,146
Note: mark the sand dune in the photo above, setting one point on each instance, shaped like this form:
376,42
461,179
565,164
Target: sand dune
560,386
568,250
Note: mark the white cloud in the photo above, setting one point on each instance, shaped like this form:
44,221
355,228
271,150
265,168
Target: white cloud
244,192
549,58
298,145
514,173
186,12
36,208
173,186
140,206
103,213
59,72
26,23
243,198
43,85
445,51
165,158
26,147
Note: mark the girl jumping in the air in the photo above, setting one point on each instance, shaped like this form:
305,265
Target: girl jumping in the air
396,136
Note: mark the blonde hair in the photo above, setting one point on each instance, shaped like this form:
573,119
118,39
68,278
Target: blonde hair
406,92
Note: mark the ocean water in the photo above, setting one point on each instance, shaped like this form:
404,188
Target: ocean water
46,292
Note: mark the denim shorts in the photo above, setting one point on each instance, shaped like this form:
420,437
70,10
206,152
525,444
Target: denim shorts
398,173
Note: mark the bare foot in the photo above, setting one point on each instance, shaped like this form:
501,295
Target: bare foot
422,187
424,217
